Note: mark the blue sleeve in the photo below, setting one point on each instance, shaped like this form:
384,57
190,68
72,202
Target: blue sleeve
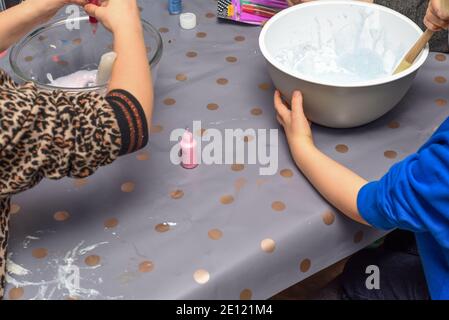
414,194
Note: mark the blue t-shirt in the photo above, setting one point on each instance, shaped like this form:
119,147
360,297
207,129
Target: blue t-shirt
414,195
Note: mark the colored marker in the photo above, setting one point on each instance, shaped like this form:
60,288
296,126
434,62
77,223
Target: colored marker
257,12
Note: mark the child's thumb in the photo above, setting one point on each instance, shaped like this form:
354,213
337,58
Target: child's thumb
92,10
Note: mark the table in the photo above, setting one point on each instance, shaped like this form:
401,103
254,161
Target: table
144,228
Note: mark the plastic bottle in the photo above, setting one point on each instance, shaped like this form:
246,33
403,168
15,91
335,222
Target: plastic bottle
188,151
175,6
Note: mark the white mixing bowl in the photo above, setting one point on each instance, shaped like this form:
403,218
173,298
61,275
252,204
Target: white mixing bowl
338,104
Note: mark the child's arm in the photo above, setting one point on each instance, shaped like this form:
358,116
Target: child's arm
413,195
131,70
21,19
339,185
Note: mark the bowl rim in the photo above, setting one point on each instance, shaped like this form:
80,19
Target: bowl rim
14,52
268,56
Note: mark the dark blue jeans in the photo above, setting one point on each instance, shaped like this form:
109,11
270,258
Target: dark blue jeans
400,270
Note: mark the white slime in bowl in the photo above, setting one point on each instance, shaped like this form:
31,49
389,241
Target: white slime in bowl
79,79
87,78
356,50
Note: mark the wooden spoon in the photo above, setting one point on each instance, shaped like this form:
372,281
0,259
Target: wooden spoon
414,52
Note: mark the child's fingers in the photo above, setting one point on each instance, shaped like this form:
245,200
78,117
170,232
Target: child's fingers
432,21
297,104
94,11
278,117
81,3
280,107
298,108
430,25
432,18
439,12
91,9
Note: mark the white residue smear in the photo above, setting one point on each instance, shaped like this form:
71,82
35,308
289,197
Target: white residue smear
354,47
16,269
27,241
79,79
67,276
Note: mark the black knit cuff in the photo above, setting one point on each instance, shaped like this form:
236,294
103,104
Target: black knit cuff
131,120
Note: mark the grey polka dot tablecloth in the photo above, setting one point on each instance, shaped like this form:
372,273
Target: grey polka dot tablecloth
144,228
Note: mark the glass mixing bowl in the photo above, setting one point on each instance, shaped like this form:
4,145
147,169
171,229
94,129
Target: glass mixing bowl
59,49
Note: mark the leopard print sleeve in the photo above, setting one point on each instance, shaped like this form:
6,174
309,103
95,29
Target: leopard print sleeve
52,135
55,134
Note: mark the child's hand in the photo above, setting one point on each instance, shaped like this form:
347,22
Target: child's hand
437,15
339,185
46,9
114,14
20,19
295,123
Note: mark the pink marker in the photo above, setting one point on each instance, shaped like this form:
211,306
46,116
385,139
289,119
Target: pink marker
3,54
188,151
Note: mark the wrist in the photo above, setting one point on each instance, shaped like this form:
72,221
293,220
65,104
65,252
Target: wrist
127,27
301,147
32,11
37,12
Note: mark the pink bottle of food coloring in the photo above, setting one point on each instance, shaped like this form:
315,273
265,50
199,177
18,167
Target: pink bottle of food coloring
188,151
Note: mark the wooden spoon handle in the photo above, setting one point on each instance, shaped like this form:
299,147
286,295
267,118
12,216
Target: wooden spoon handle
414,52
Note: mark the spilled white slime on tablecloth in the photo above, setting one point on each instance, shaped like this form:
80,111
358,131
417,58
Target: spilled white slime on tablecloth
63,277
352,47
16,269
28,240
85,250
